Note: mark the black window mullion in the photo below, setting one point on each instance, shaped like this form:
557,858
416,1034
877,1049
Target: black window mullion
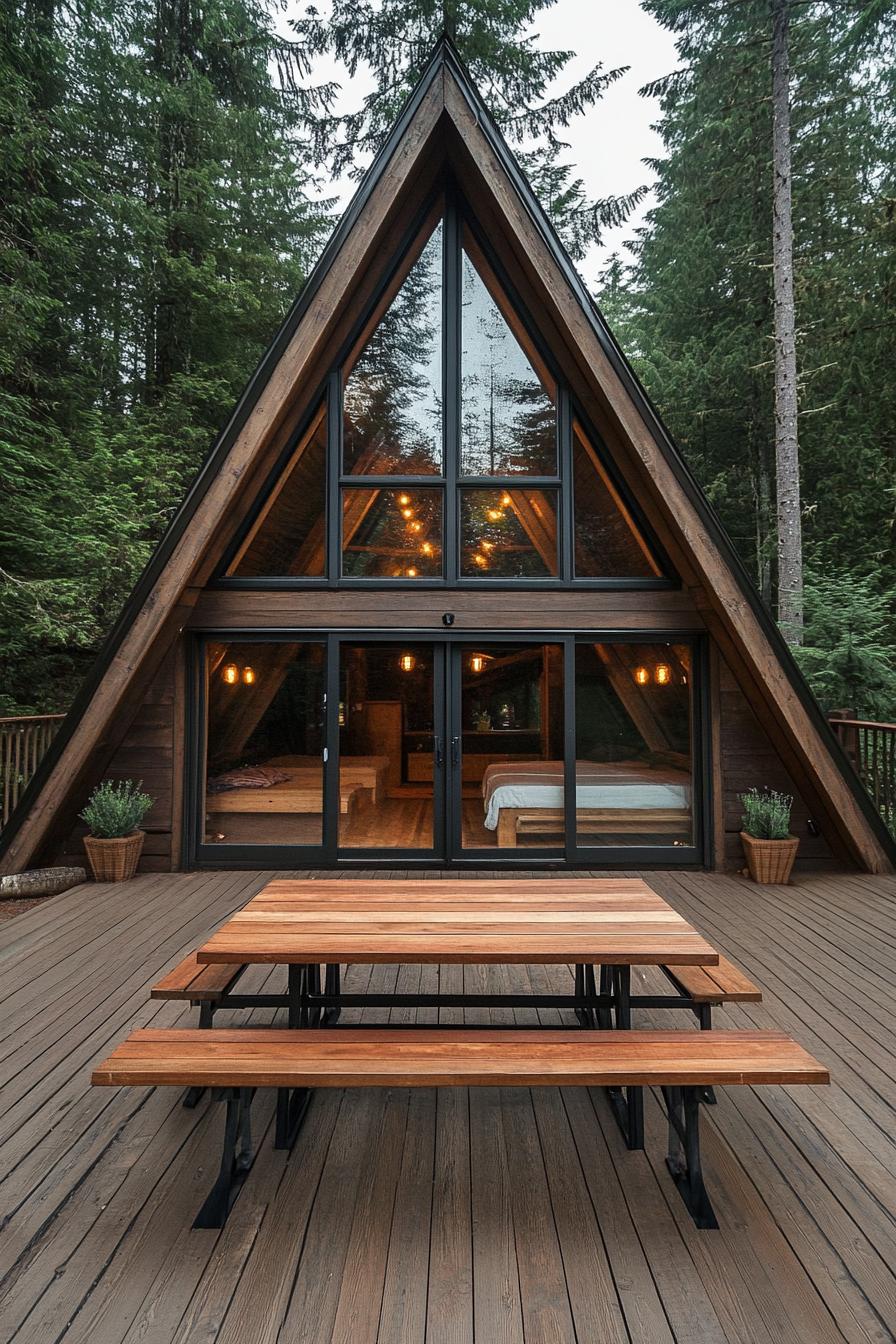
565,529
451,376
334,465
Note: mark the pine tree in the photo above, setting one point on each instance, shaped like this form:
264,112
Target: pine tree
395,38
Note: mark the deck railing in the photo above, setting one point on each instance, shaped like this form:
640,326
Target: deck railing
871,747
23,742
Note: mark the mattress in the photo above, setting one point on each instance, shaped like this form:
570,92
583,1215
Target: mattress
623,784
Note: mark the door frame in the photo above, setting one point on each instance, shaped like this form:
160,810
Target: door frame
446,813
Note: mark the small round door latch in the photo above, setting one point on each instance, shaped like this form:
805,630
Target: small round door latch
448,618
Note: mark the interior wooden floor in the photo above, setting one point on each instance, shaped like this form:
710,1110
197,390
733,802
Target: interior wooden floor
428,1217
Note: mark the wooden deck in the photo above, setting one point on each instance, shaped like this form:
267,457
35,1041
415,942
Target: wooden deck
444,1218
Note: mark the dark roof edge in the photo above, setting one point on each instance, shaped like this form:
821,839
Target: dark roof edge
218,452
666,443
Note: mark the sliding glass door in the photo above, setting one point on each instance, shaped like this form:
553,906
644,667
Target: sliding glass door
579,749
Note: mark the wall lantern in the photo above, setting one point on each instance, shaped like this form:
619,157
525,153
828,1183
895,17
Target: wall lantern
642,676
248,676
231,674
407,662
663,674
477,662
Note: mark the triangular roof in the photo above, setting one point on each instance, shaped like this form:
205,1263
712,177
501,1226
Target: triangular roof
444,121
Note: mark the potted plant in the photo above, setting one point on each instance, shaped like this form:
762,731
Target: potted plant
769,848
114,812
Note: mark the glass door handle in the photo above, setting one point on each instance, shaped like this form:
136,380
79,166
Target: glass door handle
440,752
455,751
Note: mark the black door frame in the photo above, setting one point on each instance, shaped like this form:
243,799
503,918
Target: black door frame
447,798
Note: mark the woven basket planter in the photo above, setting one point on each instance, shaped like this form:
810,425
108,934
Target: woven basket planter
114,860
770,861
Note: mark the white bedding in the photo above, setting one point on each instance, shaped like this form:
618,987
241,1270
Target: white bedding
629,784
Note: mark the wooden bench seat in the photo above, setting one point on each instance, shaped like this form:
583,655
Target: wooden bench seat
724,983
236,1062
197,982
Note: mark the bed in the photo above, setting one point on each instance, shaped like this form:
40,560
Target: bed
294,784
612,797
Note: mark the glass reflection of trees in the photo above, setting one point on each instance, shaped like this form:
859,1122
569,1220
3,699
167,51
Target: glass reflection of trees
508,420
393,395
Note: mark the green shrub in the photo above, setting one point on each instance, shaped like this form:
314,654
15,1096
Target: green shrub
766,814
116,809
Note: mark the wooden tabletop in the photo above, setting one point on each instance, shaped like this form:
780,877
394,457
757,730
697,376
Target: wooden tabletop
497,920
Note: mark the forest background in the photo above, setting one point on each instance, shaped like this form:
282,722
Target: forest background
166,183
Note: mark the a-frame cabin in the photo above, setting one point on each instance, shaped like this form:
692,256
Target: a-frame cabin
444,590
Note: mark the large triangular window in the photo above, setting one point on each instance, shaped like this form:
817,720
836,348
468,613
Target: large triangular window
448,451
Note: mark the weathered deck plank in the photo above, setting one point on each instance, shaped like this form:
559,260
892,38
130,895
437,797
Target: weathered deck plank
489,1217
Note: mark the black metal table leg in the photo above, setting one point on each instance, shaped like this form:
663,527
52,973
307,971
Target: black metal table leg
292,1103
332,985
627,1103
683,1161
236,1158
295,994
192,1095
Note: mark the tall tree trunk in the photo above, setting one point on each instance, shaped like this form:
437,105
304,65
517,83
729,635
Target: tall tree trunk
787,459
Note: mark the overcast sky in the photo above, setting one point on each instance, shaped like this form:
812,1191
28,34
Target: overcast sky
608,144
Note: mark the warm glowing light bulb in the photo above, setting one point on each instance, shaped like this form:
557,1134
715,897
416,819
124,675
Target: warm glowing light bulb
663,674
231,674
487,545
480,560
506,500
477,662
494,515
404,499
416,527
411,572
407,513
249,676
642,676
407,662
426,548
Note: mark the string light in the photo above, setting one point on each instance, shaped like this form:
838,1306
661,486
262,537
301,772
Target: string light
480,560
407,513
416,527
426,548
404,499
487,545
494,515
411,572
506,500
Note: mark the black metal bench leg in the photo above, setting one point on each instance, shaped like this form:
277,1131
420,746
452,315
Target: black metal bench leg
192,1095
683,1161
292,1103
704,1017
236,1159
582,1013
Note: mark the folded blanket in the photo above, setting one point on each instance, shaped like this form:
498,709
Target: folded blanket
247,777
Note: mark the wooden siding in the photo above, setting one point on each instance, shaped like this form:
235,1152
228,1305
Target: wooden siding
438,1216
748,758
148,751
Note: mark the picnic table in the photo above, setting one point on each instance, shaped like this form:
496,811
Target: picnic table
614,923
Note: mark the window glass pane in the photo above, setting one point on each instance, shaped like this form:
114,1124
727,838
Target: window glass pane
288,535
391,534
508,417
508,534
633,744
264,782
512,746
607,541
386,746
393,394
